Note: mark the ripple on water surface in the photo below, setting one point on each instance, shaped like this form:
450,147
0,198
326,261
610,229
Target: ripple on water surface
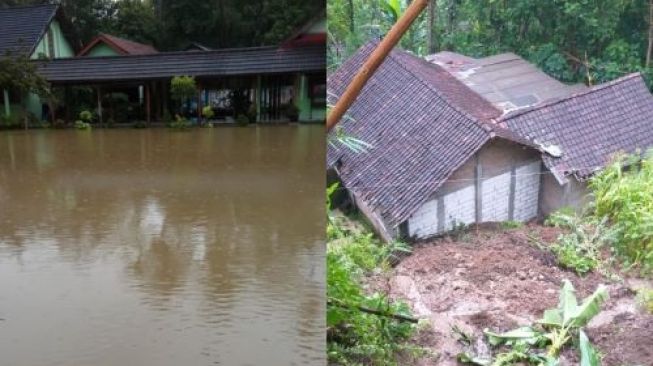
160,248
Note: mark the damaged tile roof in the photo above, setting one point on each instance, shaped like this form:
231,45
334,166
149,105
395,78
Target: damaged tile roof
589,127
21,28
422,123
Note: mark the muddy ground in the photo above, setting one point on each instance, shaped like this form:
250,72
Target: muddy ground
499,279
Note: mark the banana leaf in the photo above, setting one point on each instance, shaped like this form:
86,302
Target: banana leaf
588,354
525,334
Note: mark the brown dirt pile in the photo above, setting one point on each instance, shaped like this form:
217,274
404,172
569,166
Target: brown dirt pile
500,279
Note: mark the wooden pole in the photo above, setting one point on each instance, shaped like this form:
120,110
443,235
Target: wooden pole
374,61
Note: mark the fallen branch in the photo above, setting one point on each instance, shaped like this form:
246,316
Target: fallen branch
343,305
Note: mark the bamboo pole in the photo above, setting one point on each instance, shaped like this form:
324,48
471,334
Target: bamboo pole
374,61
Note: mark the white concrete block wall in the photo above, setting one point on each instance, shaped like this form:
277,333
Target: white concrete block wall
424,222
460,207
496,198
527,188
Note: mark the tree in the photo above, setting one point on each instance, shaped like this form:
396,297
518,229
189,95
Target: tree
19,75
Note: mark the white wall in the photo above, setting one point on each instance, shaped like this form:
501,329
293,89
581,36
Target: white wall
527,188
501,165
496,198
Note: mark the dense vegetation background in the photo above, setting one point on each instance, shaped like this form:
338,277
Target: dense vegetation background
572,40
174,24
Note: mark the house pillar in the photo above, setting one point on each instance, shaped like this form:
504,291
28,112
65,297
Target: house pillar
199,102
259,97
148,103
5,93
99,105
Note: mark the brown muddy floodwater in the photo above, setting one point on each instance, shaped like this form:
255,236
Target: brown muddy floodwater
155,247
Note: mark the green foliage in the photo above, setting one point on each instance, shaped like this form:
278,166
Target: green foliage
19,75
579,249
143,124
242,120
81,125
551,334
355,336
180,123
86,116
623,193
588,41
182,88
207,112
508,225
645,298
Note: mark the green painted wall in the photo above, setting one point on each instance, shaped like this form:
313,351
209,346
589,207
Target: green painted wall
307,112
61,48
101,49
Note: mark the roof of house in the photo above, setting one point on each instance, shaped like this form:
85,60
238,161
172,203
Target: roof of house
506,80
303,35
422,123
224,62
120,45
21,28
589,127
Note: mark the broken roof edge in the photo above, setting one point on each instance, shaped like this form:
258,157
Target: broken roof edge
431,87
550,102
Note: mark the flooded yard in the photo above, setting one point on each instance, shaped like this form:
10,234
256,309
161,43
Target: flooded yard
154,247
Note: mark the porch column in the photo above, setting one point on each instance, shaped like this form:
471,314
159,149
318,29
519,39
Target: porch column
148,103
259,97
6,101
199,103
99,105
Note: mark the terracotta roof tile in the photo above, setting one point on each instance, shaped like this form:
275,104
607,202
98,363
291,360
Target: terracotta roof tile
590,127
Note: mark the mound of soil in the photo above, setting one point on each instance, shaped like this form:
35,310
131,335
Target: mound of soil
501,279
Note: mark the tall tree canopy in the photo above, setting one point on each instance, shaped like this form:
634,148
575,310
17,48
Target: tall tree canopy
171,25
573,40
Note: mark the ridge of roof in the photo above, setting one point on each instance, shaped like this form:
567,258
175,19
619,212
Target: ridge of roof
555,101
28,6
435,90
430,85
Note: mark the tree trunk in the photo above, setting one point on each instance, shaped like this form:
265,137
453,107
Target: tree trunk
432,11
649,51
350,9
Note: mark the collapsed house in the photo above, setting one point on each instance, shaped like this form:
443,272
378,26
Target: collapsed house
454,145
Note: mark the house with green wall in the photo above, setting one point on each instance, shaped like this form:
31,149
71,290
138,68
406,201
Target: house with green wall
38,32
109,45
280,83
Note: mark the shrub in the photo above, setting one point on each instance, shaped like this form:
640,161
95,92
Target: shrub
580,248
623,193
81,125
242,120
139,124
356,336
645,298
207,112
86,116
180,123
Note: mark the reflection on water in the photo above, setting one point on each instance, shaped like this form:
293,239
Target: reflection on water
152,247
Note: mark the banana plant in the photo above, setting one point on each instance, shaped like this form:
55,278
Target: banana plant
552,333
392,8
